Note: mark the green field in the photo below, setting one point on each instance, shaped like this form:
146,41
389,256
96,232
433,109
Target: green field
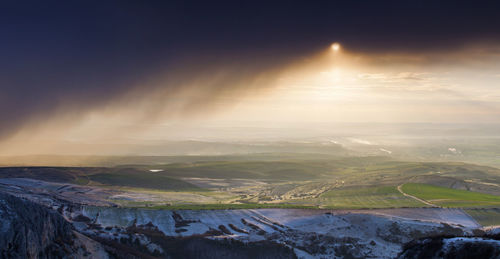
453,198
486,217
143,180
265,170
367,197
226,206
278,179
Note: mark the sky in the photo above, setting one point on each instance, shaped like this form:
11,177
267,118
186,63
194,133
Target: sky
90,71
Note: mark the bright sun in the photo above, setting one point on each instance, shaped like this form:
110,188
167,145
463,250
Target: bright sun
335,46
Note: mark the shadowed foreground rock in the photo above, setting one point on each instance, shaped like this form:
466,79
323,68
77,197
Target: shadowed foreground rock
30,230
452,248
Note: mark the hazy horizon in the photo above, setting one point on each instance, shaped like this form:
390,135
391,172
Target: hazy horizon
143,72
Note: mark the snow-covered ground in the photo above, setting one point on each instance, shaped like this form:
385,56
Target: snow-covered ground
451,242
312,233
51,193
450,216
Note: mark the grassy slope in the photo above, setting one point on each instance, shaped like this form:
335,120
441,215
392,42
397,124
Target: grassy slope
266,170
363,177
223,206
368,169
51,174
140,179
447,197
486,217
367,197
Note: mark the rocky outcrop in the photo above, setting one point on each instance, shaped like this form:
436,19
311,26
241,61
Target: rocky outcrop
452,248
30,230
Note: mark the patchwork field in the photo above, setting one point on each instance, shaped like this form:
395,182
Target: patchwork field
283,181
367,197
486,217
143,180
453,198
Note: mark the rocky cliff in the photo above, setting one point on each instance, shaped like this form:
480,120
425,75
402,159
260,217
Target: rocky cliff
30,230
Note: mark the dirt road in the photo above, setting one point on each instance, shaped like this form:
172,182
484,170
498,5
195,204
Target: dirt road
415,198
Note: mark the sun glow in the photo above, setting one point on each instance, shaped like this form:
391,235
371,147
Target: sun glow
335,46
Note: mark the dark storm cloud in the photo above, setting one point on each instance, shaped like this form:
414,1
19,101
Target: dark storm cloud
76,55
